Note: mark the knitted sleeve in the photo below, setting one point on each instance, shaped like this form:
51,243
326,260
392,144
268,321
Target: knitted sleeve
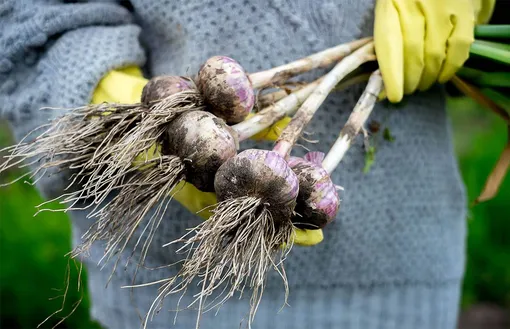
54,54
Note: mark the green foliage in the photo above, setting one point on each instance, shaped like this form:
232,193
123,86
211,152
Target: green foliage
33,266
387,135
369,158
492,31
479,139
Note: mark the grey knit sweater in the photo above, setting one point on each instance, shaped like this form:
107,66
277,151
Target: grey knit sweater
394,256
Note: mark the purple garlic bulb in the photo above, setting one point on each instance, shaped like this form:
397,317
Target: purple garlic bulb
204,142
161,87
261,174
317,202
226,88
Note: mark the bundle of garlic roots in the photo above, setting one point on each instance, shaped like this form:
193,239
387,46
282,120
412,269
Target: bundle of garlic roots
189,130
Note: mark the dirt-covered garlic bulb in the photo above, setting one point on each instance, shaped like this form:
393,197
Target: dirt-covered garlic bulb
226,89
161,87
317,202
203,142
261,174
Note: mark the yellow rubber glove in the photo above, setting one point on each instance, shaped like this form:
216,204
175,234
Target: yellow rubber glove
420,42
125,86
483,10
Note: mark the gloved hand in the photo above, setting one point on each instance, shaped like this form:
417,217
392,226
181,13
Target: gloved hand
125,86
419,42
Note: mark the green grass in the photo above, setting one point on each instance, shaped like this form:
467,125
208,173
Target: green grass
33,265
479,138
32,248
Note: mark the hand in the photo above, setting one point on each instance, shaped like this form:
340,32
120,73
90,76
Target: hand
419,42
125,86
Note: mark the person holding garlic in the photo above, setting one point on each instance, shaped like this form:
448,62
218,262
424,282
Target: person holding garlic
393,258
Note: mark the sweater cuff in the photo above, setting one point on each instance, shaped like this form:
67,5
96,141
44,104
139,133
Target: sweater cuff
69,72
85,56
66,77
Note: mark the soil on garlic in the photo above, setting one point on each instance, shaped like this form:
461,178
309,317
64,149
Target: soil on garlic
202,152
252,182
307,216
226,88
159,88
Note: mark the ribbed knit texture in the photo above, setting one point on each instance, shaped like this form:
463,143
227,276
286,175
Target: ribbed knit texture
393,258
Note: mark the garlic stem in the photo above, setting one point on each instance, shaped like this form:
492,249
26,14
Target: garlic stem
269,99
321,59
356,120
305,113
271,114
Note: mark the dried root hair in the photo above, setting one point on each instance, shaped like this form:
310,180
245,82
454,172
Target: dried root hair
71,140
99,144
149,186
235,248
110,165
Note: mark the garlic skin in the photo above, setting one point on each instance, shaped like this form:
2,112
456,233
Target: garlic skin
261,174
317,202
161,87
226,88
203,142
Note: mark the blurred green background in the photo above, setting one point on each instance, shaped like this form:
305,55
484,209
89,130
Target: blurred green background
32,248
33,266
